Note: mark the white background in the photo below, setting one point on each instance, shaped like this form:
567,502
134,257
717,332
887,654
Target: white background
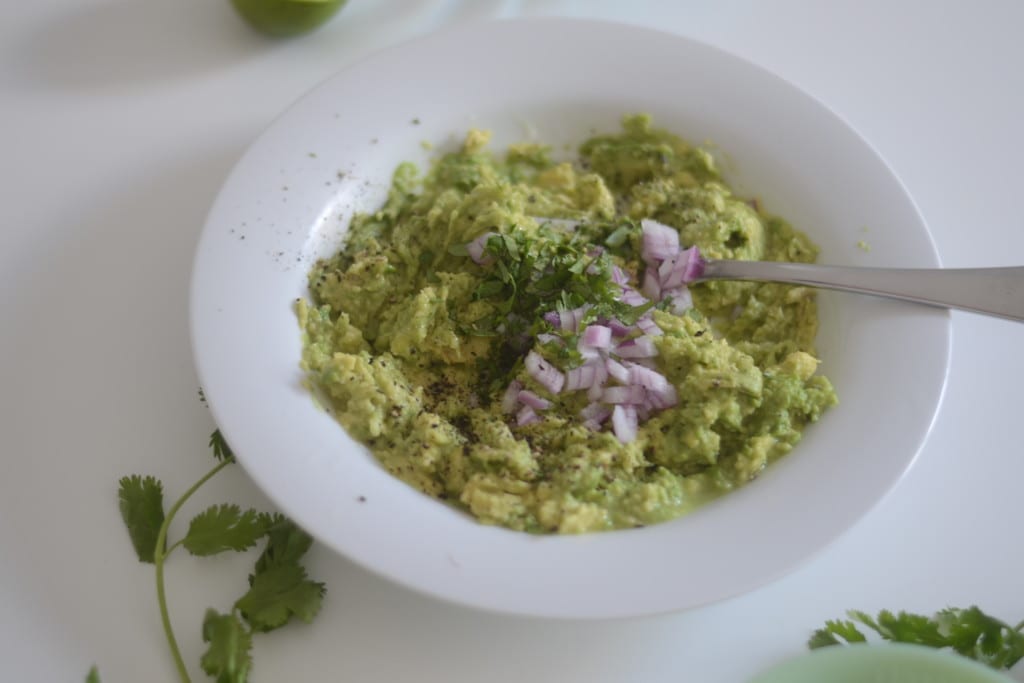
118,122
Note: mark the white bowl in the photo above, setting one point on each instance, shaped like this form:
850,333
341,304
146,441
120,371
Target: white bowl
288,201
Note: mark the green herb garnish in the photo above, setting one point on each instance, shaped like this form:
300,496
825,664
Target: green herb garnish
279,588
554,271
969,632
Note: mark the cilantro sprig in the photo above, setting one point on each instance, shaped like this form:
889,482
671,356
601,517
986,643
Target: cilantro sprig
279,587
969,632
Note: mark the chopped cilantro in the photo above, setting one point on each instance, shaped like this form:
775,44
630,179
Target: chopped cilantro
969,632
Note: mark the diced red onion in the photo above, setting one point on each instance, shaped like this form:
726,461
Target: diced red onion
681,300
649,327
594,415
510,398
681,269
618,328
641,347
659,241
663,398
553,318
694,265
624,423
619,276
633,297
580,378
600,377
671,271
548,376
597,336
587,353
632,393
476,250
652,284
617,370
646,378
531,399
526,416
569,320
596,411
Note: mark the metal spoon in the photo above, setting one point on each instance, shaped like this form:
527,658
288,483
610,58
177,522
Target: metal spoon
991,291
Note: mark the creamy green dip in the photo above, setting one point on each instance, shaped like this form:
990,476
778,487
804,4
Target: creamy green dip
412,344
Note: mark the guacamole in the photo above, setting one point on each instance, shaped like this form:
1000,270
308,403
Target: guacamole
517,336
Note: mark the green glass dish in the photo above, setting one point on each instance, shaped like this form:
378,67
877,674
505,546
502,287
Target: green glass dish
889,663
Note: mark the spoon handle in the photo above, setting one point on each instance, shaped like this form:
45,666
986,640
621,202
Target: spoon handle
992,291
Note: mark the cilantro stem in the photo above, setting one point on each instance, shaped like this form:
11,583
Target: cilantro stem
160,555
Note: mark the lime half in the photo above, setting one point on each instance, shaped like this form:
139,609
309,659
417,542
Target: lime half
287,17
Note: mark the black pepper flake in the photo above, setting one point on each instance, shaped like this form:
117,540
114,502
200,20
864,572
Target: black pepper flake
361,499
416,122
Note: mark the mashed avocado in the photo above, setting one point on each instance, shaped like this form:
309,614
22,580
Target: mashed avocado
413,340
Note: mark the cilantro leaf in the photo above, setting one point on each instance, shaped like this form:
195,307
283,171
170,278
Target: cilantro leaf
223,527
277,594
229,656
93,676
142,509
969,632
221,450
286,543
975,634
833,631
905,627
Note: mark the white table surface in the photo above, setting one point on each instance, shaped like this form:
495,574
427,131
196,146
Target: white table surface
119,119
